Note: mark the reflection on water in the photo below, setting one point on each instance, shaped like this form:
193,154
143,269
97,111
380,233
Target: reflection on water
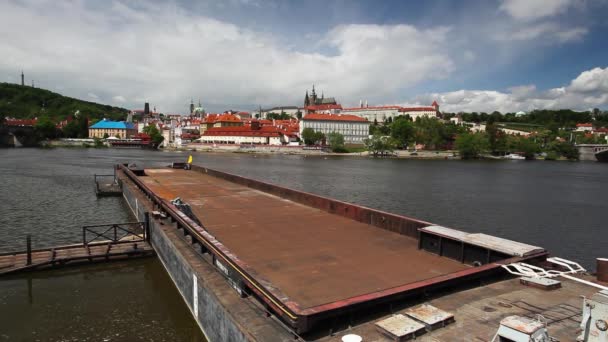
118,301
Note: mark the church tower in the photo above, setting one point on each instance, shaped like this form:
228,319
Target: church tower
306,99
191,106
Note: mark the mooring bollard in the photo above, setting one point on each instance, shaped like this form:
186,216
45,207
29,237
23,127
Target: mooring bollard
147,226
602,270
29,249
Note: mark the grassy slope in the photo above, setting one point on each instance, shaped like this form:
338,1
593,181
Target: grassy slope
26,102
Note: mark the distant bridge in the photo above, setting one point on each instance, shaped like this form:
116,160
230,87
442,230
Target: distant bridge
16,135
588,151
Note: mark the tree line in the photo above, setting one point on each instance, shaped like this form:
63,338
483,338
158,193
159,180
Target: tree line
24,102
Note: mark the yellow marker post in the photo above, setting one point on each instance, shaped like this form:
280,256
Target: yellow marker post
189,165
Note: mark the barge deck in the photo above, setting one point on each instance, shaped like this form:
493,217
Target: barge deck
312,256
316,264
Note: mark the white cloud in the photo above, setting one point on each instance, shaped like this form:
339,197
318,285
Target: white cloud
534,9
588,90
535,20
119,99
550,32
469,56
591,81
572,34
164,55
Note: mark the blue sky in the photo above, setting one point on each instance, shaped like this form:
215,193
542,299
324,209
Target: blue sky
505,55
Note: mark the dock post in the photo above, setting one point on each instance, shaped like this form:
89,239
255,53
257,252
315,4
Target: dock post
147,226
28,241
602,270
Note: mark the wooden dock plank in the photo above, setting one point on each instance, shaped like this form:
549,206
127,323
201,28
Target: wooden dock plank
77,253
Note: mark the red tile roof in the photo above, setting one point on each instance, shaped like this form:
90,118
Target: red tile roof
213,118
435,104
264,131
584,125
228,118
333,117
324,107
20,122
417,109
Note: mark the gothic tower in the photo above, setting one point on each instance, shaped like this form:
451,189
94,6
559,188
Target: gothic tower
306,99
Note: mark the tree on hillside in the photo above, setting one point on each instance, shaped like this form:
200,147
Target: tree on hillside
154,133
77,128
336,142
565,149
27,103
275,116
380,145
45,128
402,130
311,137
524,145
471,145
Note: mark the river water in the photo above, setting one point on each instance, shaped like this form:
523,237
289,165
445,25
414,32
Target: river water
49,194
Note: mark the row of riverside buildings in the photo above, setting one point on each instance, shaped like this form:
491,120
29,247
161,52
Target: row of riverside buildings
321,114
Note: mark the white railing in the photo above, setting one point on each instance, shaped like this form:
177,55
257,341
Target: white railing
522,269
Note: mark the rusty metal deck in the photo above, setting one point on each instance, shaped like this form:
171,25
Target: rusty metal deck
478,312
312,256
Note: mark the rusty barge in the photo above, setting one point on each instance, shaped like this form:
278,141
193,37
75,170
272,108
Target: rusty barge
281,264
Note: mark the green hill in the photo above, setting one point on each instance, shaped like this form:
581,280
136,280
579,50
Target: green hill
25,102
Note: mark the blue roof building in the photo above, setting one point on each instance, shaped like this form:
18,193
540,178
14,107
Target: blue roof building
107,124
106,128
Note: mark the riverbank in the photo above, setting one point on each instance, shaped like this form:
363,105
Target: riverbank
308,151
283,150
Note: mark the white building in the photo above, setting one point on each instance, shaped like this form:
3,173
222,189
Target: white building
456,120
382,113
584,127
374,114
354,128
253,134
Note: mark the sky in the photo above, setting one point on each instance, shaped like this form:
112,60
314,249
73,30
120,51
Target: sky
486,55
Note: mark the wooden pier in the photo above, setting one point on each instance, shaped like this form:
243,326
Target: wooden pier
106,185
100,243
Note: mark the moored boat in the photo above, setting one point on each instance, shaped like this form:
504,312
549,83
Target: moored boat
602,156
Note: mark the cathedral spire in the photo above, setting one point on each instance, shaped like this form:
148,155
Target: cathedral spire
313,96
